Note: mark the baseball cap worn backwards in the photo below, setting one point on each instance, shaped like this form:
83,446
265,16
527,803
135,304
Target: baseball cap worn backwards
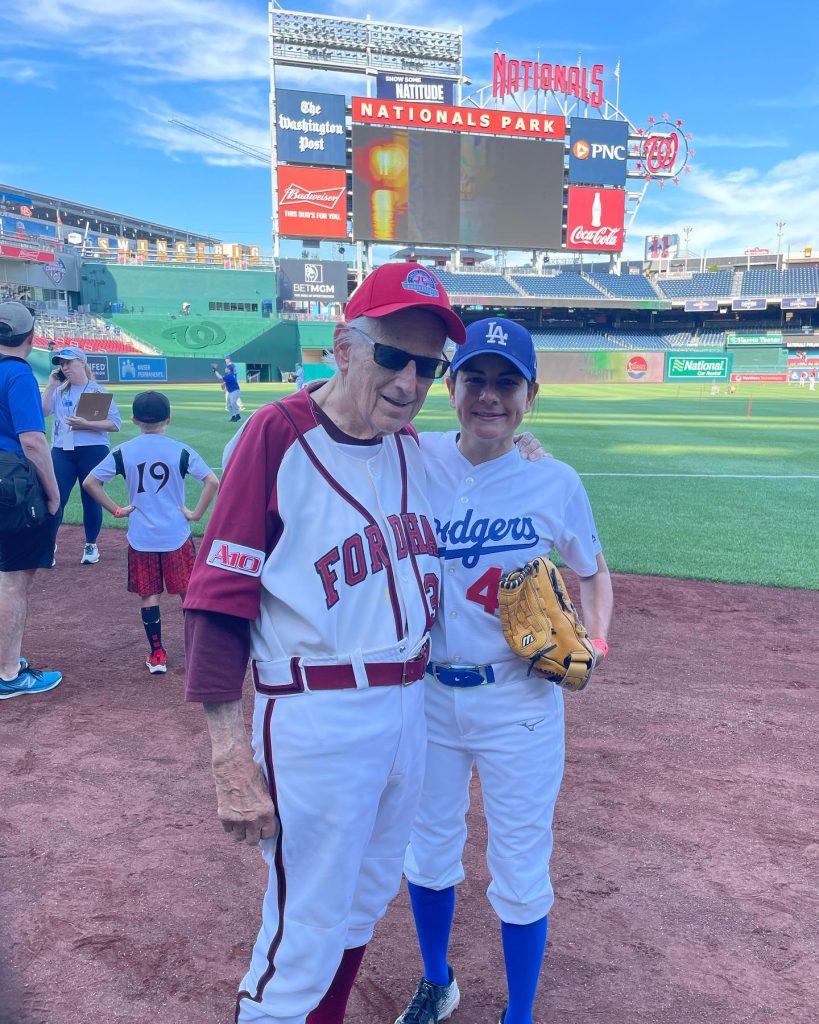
500,337
69,352
15,319
396,286
151,407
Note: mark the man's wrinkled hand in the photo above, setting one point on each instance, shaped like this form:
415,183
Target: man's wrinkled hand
243,803
530,449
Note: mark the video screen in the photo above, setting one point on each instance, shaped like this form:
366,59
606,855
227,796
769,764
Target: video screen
456,188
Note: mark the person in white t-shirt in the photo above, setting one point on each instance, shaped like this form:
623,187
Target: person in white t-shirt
160,546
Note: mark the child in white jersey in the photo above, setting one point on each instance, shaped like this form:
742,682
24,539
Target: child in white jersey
160,547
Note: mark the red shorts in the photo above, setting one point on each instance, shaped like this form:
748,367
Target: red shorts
151,572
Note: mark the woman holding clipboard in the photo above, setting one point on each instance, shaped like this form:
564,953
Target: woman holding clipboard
79,441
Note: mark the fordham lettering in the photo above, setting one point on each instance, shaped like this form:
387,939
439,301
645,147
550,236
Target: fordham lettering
361,556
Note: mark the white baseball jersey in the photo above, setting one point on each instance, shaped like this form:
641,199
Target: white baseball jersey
492,518
154,467
327,546
64,403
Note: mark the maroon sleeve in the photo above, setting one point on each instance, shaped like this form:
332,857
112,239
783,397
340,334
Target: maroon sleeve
216,651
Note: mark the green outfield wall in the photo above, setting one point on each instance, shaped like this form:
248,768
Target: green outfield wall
600,367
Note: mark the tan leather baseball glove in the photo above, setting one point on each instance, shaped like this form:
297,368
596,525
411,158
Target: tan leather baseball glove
541,625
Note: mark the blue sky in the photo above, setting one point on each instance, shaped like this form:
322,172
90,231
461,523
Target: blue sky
88,88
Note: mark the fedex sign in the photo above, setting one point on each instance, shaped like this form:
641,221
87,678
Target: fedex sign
598,151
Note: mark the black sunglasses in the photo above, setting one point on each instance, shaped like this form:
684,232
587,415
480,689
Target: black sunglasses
396,358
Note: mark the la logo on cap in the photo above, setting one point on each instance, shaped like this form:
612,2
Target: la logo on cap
496,334
423,282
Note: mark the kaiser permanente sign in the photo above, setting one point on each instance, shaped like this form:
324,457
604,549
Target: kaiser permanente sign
695,366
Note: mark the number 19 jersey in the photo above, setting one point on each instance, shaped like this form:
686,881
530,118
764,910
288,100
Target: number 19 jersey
154,467
489,519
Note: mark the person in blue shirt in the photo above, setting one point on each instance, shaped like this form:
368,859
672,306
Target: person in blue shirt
22,552
231,383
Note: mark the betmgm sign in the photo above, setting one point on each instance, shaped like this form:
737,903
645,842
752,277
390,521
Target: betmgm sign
312,281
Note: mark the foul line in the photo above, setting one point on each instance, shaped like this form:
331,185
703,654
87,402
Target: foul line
716,476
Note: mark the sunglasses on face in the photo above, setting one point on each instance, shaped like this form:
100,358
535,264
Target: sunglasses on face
396,359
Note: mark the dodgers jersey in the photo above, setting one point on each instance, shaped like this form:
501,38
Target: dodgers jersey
324,542
154,467
492,518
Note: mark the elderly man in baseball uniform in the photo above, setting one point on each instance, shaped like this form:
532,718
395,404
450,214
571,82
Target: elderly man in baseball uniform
320,562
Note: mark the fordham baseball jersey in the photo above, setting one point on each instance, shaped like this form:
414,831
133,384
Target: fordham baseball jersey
323,542
491,518
154,467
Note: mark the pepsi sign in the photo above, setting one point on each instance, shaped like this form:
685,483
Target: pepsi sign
598,151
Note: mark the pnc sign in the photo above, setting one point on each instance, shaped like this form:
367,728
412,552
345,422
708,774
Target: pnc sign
598,154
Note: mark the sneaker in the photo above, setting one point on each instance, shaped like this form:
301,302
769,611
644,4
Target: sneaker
157,661
432,1003
90,554
29,680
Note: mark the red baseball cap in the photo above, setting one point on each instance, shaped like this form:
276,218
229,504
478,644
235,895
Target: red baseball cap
395,286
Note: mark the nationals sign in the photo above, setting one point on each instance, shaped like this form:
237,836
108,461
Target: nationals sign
594,221
312,202
409,114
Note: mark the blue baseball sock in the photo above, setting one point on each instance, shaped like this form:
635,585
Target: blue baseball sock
523,948
433,910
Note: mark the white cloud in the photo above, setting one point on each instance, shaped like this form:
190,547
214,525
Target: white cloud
741,142
736,210
24,72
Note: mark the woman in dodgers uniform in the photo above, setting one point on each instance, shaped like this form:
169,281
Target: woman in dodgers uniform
493,512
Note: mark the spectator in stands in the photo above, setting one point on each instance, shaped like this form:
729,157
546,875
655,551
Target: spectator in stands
50,345
22,551
231,383
77,444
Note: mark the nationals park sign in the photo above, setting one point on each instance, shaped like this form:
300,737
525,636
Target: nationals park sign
697,366
409,114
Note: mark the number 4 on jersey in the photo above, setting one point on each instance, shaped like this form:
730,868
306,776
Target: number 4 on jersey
484,591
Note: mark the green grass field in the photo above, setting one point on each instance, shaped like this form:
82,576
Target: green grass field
682,483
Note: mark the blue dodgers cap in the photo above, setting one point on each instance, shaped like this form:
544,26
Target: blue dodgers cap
499,337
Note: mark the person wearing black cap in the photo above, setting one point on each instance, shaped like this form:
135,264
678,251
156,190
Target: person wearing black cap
24,459
160,547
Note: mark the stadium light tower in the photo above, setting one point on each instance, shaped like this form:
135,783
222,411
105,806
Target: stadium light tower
357,46
687,232
780,224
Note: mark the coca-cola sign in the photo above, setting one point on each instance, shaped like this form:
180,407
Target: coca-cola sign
595,218
312,202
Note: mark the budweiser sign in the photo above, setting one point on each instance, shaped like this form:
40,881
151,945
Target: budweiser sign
595,217
312,202
326,200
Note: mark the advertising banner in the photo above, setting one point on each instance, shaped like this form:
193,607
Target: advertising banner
594,221
414,87
139,368
310,128
759,378
701,306
99,364
753,339
664,247
599,151
22,253
312,202
447,188
697,366
740,304
804,302
409,114
600,367
312,281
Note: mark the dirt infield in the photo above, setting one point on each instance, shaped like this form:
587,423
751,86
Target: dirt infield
686,855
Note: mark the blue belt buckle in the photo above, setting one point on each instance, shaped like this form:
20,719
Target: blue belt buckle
463,675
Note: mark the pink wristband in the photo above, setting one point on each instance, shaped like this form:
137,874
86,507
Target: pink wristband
117,512
600,644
